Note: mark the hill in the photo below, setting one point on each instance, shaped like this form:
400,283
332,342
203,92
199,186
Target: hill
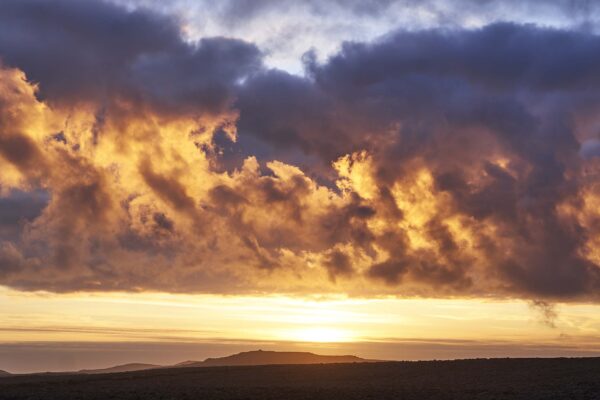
260,357
120,368
4,373
499,379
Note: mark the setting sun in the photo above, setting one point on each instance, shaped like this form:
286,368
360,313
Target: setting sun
321,335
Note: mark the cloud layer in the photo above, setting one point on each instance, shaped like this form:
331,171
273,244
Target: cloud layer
442,162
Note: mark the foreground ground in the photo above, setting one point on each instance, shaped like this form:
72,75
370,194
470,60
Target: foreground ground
468,379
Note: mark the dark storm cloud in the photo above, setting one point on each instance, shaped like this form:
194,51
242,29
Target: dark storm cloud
590,148
499,56
410,75
93,51
21,206
449,97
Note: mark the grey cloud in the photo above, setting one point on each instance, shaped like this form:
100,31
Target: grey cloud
445,12
20,206
424,95
590,149
94,51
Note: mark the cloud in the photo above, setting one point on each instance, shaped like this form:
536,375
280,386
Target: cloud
547,312
295,26
444,162
141,59
464,128
590,148
443,13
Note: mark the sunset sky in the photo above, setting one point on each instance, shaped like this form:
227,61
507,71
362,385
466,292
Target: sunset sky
391,179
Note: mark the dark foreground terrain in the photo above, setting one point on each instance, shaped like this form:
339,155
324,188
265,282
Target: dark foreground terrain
468,379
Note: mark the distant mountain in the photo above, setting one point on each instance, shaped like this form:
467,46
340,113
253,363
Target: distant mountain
4,373
186,363
120,368
260,357
257,357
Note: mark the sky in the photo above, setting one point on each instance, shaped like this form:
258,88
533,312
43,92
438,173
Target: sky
391,179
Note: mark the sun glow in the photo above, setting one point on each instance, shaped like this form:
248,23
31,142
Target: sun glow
321,335
161,317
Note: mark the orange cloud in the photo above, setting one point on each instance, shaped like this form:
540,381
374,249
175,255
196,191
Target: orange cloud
383,175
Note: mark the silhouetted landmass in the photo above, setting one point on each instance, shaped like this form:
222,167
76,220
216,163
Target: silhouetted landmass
499,379
4,373
258,357
261,357
120,368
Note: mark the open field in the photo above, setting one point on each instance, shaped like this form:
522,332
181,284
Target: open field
465,379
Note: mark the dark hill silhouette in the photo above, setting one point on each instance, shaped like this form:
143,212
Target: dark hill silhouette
186,363
249,358
260,357
120,368
500,379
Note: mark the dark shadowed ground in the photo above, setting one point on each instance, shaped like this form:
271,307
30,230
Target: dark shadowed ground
468,379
